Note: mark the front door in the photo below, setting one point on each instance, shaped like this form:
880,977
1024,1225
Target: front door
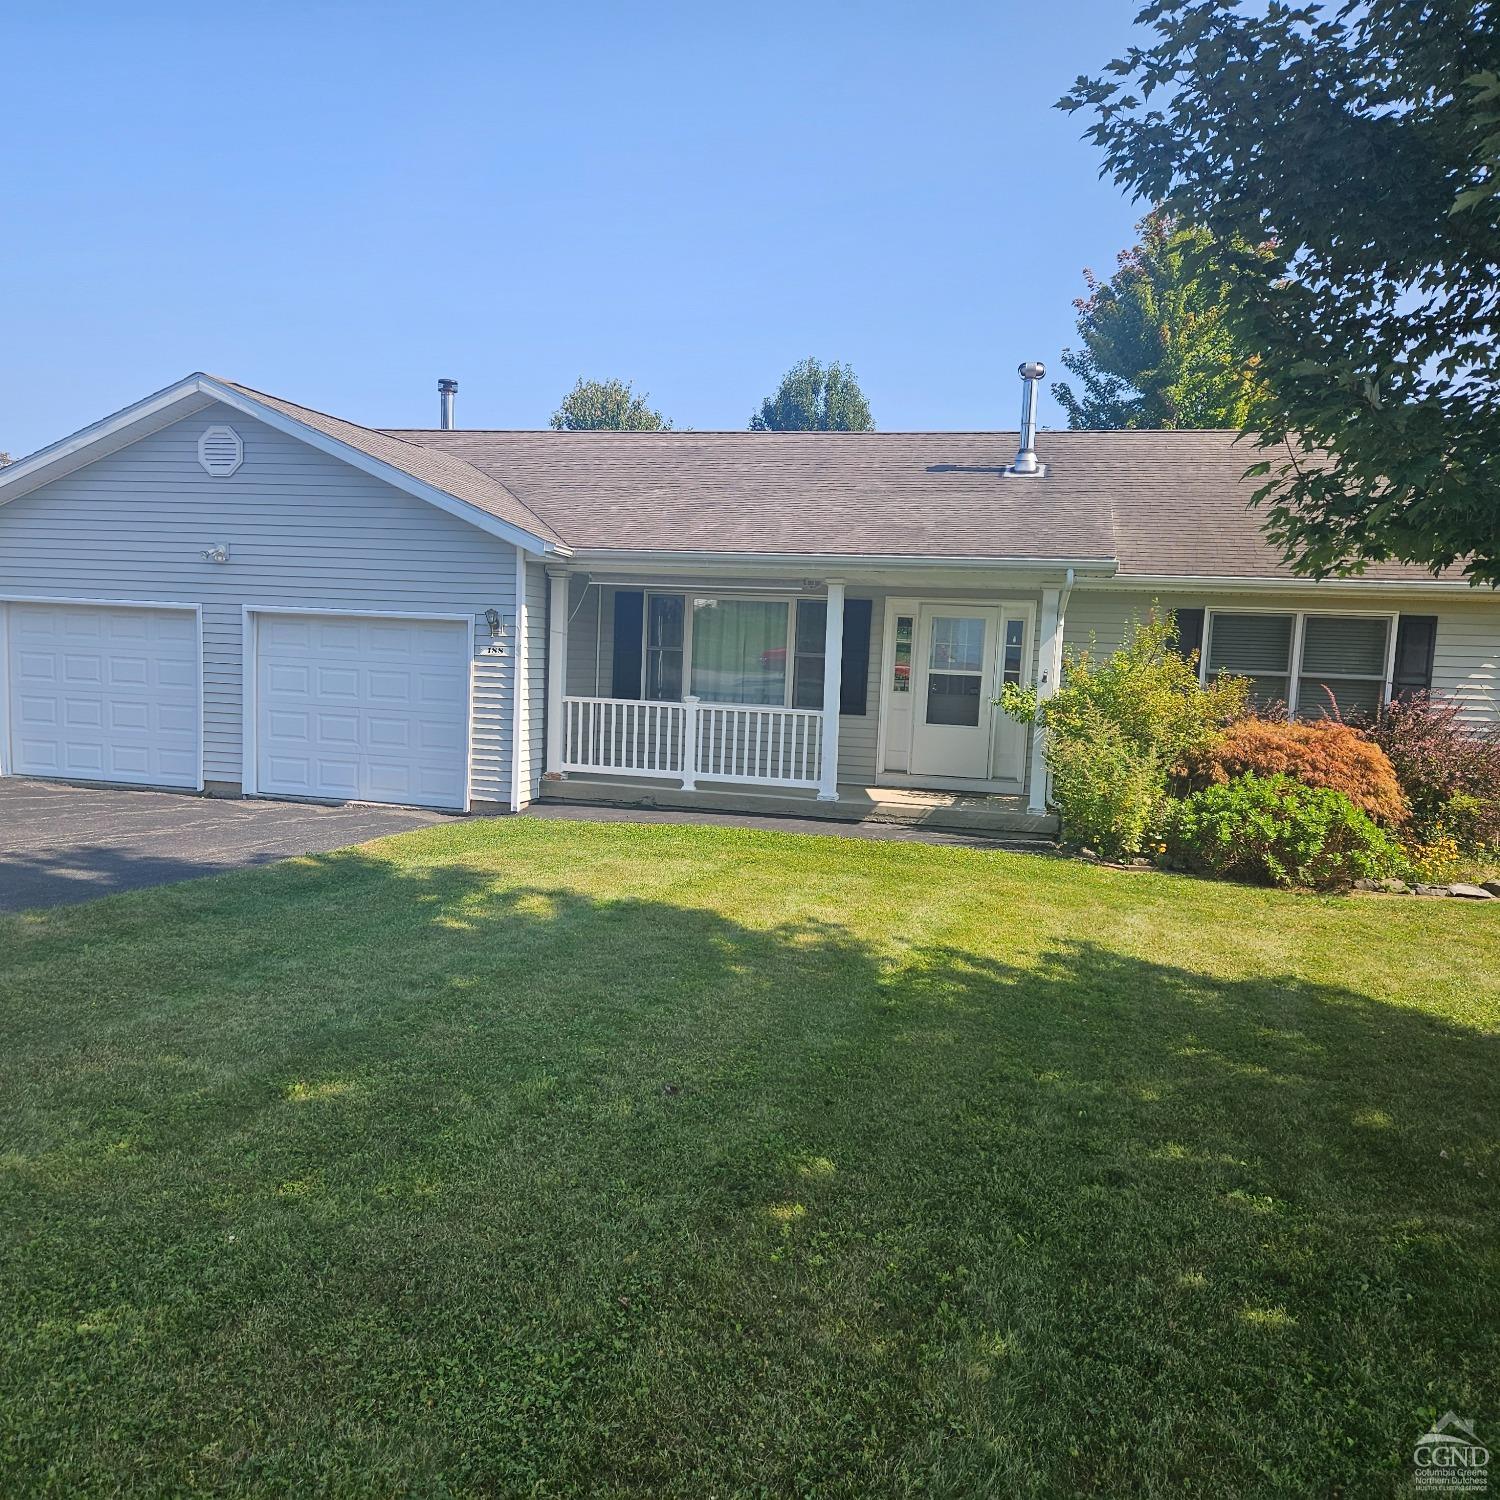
952,704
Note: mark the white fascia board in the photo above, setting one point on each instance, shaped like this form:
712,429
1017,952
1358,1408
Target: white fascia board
378,469
139,420
619,557
1229,584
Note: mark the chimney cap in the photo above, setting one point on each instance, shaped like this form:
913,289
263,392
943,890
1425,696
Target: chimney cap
446,385
1032,369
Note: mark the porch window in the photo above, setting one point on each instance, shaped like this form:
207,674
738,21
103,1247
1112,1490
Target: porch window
664,637
739,650
807,665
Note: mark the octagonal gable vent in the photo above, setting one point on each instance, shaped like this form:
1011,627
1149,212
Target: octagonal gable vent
220,451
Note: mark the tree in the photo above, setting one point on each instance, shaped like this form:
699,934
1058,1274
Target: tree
1360,143
813,399
1157,348
613,405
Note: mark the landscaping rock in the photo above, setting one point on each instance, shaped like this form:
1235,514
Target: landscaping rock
1395,887
1470,892
1430,890
1492,886
1369,885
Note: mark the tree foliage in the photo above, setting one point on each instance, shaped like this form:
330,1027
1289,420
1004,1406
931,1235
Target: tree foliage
1158,349
607,405
1361,141
812,398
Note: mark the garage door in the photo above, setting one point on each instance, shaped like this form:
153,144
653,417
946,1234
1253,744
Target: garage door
103,693
373,710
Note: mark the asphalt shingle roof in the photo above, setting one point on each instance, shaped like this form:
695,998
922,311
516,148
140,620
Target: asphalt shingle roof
1163,503
431,464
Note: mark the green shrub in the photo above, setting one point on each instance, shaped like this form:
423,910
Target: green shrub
1272,829
1117,728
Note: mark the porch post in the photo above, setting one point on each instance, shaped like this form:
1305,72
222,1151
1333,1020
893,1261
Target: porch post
1049,665
557,666
833,671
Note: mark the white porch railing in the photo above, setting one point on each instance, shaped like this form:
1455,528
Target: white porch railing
740,743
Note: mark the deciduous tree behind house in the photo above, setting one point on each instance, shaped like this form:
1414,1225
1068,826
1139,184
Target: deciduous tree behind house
1158,349
812,398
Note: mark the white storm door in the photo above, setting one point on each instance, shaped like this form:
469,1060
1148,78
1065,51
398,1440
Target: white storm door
350,708
103,693
955,674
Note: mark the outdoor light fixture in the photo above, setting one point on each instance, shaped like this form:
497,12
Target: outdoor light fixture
217,554
492,619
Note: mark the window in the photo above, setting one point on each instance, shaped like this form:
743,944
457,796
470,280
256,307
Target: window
1309,662
955,664
901,668
728,650
1015,636
1343,662
739,650
664,637
807,668
1258,647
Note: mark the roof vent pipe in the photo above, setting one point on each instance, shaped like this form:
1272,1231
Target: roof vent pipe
1026,463
447,390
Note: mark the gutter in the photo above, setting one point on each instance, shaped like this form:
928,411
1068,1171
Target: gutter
1103,567
1205,583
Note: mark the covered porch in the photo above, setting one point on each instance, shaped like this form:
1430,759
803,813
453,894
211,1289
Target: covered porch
852,697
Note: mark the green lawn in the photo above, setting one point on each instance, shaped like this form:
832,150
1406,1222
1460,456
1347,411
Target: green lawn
522,1157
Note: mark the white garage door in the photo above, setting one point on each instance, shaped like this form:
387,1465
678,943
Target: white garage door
103,693
373,710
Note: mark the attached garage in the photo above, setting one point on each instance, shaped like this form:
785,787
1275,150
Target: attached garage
102,692
359,707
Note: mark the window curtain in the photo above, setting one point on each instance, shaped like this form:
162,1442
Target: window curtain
739,650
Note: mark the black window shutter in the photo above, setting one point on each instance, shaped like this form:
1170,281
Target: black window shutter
1189,630
854,675
630,613
1416,640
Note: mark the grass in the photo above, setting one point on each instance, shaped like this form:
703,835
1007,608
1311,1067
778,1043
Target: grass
523,1157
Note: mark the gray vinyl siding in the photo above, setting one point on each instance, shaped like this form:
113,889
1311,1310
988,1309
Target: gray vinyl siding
591,638
304,531
1466,661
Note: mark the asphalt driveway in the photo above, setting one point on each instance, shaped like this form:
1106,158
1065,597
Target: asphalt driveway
60,844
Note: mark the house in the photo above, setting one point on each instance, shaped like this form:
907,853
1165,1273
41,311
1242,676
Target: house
219,590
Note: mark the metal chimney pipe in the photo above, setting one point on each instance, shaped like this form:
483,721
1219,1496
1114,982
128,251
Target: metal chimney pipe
1032,373
447,390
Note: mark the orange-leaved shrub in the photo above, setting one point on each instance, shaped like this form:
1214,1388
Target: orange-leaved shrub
1322,753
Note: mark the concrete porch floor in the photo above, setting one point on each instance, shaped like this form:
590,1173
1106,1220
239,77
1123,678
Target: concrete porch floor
988,814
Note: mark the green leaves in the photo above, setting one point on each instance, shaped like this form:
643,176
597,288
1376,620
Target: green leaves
1158,350
614,405
811,398
1360,145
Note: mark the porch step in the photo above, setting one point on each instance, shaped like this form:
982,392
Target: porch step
987,815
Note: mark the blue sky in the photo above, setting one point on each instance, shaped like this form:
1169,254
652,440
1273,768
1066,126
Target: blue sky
339,203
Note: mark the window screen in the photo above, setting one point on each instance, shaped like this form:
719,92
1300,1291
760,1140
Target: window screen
1343,666
1255,646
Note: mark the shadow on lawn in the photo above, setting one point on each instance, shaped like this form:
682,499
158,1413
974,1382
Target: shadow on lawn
628,1101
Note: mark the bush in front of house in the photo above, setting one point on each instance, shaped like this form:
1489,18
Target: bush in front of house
1323,753
1118,726
1450,774
1275,830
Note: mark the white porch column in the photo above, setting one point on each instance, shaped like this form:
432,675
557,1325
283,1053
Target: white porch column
557,666
1048,668
833,673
